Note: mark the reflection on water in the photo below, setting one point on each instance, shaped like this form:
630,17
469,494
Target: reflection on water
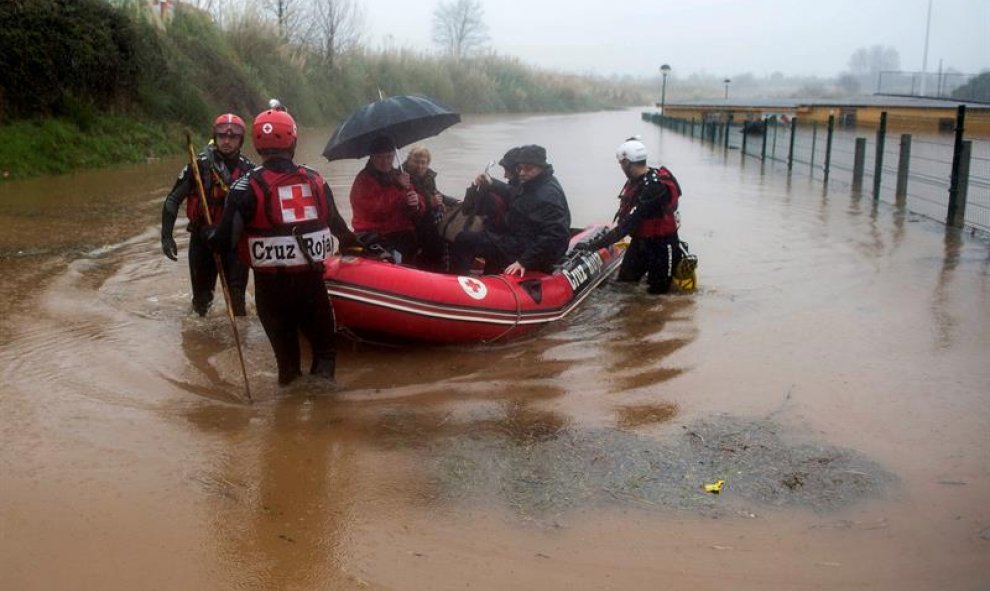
645,414
281,495
945,322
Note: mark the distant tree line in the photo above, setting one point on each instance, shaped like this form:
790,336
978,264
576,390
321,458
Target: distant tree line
112,56
870,70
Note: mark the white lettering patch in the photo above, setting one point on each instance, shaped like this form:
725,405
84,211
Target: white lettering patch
297,203
284,251
589,266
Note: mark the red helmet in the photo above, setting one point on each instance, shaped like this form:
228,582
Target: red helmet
274,130
229,123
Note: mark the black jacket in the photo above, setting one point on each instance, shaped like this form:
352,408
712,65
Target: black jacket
538,223
210,161
241,206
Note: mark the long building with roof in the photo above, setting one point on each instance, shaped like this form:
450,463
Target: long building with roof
934,115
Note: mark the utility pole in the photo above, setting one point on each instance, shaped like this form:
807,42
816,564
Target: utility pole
924,56
664,70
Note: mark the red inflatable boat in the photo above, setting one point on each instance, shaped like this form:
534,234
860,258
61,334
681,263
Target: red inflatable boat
379,298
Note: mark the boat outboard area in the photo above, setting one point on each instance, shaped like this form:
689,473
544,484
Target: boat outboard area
375,296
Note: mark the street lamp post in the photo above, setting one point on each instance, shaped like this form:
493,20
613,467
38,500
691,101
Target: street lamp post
726,82
664,70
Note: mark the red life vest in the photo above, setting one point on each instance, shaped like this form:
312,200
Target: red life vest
216,191
289,230
663,225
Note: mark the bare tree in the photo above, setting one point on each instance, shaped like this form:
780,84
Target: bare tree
336,27
870,60
290,16
866,63
459,28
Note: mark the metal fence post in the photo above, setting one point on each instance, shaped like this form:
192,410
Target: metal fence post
952,216
773,146
828,145
859,163
728,128
814,140
903,166
878,168
692,127
790,150
763,150
958,219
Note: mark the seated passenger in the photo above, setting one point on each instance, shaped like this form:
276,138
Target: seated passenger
384,202
536,230
491,197
433,253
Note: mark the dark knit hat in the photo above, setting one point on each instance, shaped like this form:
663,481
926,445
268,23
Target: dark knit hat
382,144
510,160
532,154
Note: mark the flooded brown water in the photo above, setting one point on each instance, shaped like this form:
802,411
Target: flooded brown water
843,345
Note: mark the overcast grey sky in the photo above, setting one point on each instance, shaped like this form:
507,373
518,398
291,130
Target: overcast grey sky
718,37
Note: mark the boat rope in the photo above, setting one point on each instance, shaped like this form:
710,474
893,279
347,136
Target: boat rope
359,340
515,323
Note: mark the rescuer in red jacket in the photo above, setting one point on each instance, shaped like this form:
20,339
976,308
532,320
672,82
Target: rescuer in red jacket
219,166
282,216
647,212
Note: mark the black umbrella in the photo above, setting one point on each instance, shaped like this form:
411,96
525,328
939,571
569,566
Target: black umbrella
405,119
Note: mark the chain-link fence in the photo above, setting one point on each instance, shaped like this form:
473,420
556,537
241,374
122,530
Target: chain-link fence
915,171
930,84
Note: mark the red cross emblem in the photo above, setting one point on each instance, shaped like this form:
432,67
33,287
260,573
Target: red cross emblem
297,203
474,288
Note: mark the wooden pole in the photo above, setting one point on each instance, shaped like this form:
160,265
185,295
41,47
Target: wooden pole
219,264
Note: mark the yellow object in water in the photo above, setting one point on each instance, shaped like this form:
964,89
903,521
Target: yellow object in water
715,487
686,271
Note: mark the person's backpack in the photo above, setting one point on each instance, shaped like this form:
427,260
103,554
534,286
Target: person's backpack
673,187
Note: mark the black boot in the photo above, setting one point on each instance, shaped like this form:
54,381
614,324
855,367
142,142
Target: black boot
238,304
202,301
287,377
658,289
324,368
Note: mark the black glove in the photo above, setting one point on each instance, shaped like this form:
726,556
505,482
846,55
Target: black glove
205,232
169,247
586,247
366,239
379,252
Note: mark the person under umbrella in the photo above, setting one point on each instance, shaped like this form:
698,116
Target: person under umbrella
385,203
434,254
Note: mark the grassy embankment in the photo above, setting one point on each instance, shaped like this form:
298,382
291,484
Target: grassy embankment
112,87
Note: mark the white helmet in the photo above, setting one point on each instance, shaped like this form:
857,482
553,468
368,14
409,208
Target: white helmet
632,150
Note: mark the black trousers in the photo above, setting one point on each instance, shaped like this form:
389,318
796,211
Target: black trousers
434,253
496,249
653,257
203,275
293,303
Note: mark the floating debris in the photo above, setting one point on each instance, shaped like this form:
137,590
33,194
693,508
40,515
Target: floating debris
567,467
